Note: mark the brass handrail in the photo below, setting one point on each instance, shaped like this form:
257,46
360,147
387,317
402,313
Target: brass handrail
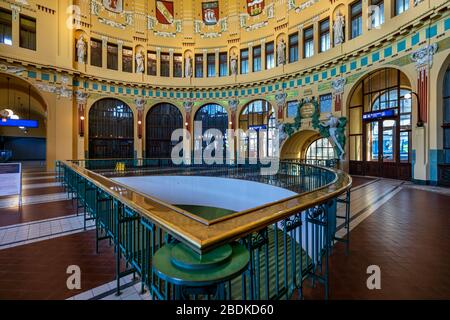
202,237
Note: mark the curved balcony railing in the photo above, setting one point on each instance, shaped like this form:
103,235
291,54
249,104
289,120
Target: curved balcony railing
288,240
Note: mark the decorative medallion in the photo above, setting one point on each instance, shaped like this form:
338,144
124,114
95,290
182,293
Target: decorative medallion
164,11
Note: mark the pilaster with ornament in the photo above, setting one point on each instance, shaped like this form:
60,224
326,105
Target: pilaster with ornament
187,105
280,100
140,105
233,105
338,86
81,101
423,58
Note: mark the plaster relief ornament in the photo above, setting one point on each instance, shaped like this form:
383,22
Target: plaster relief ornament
281,52
210,13
197,26
140,62
81,97
178,26
95,8
338,28
243,20
334,128
140,103
338,86
223,24
129,18
187,105
270,11
12,69
234,64
151,22
291,4
233,104
113,5
81,50
424,56
188,66
164,12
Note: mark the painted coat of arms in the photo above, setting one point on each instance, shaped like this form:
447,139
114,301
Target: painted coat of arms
210,12
113,5
164,12
255,7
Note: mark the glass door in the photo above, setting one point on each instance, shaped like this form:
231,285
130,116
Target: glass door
389,142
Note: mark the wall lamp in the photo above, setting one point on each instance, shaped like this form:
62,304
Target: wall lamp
408,96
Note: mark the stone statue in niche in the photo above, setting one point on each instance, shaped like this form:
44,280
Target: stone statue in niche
281,52
188,66
81,50
139,62
338,28
234,64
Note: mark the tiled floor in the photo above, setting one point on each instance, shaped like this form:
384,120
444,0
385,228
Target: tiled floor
38,270
408,238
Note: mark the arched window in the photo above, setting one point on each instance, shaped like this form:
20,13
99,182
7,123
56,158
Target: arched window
111,130
162,120
446,107
320,149
211,116
257,115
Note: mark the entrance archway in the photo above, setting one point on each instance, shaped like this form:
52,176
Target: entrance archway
380,118
161,121
23,144
111,130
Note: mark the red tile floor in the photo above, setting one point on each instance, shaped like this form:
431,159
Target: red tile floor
409,239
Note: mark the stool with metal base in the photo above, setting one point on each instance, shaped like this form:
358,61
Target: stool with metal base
195,275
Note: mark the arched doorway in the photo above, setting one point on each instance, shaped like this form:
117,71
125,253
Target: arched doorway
380,125
161,121
111,130
320,149
255,116
211,116
23,133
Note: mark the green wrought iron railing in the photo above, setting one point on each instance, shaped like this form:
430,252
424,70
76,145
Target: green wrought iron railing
288,241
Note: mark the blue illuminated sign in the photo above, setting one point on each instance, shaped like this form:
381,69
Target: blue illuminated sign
19,123
379,114
257,128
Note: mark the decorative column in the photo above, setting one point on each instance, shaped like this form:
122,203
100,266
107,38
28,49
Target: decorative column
140,104
338,86
280,99
81,99
233,104
188,108
424,61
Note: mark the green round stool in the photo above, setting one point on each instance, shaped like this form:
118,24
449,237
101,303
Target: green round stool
200,275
